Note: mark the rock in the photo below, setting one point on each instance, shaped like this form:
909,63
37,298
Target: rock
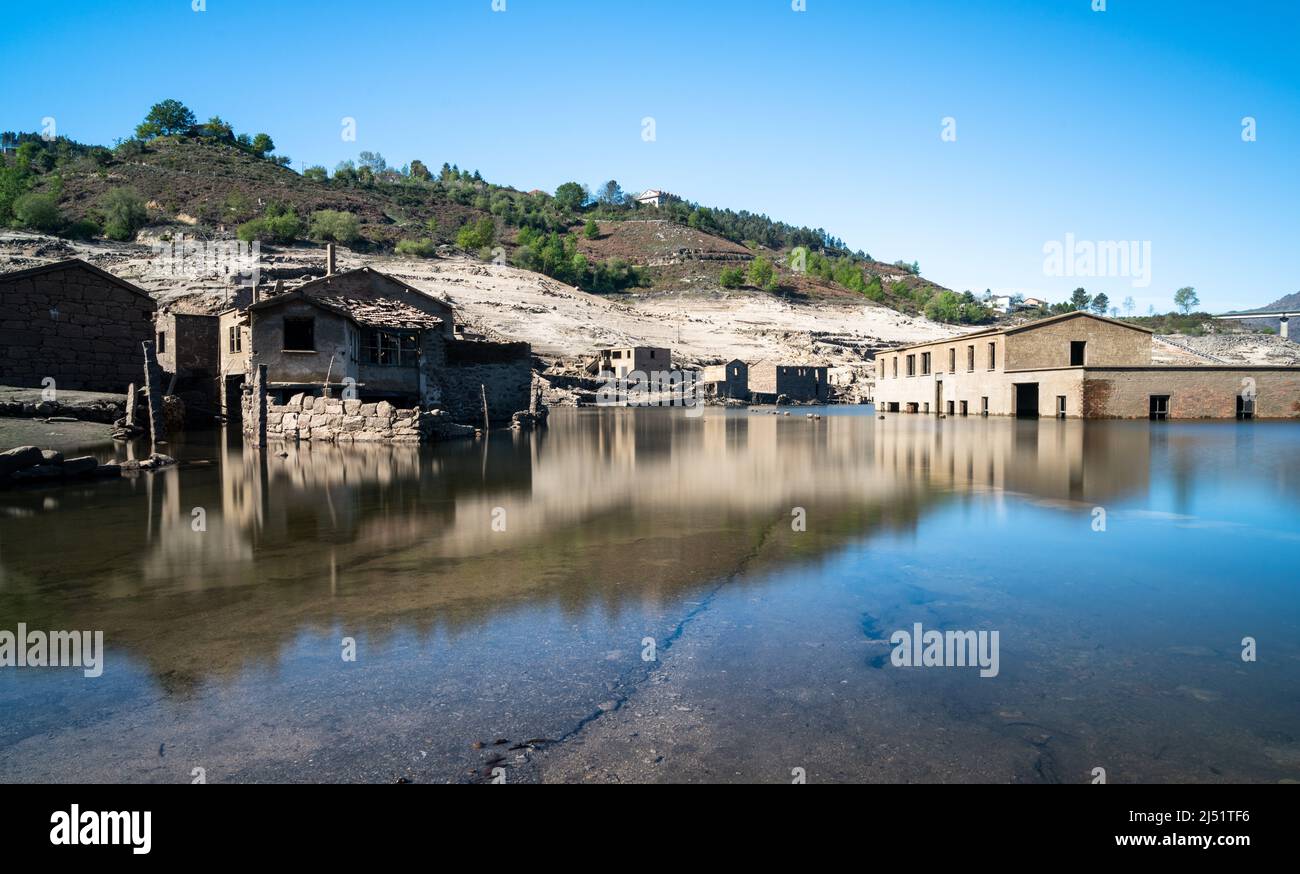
384,409
50,456
61,419
110,469
352,407
39,472
19,458
80,466
295,402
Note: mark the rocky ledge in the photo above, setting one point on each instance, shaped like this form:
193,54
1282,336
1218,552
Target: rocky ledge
31,464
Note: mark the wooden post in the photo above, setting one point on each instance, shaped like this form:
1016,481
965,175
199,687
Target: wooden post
153,385
255,431
487,423
532,395
130,405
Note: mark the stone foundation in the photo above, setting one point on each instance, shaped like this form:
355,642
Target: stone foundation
331,420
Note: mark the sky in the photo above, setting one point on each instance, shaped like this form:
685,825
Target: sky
965,135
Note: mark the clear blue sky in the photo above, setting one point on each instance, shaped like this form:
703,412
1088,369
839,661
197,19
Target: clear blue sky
1116,125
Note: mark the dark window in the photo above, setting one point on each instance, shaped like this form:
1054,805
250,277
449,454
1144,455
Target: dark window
235,342
1060,406
895,367
984,403
391,349
652,353
911,365
970,358
1077,348
993,356
1159,407
963,407
952,360
1245,407
299,335
925,363
950,408
617,354
162,342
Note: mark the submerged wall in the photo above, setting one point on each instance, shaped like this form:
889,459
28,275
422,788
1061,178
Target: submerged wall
332,420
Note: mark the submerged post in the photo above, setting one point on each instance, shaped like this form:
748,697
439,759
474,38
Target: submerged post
255,430
153,386
487,424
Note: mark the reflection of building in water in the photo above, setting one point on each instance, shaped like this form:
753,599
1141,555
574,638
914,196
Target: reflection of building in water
1066,460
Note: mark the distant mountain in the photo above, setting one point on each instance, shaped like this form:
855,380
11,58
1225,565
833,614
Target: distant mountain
1287,302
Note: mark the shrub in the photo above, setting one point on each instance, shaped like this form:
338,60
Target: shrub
124,214
278,225
591,230
83,229
38,212
329,224
315,173
417,248
761,273
732,277
479,235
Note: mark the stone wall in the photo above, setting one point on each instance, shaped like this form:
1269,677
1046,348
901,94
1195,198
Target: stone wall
1195,392
74,325
332,420
502,370
1039,348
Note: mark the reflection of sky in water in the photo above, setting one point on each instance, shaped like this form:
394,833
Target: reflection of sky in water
1118,648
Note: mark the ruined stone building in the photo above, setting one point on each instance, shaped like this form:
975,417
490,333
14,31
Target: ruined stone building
187,348
801,383
367,336
1074,365
619,362
74,323
729,380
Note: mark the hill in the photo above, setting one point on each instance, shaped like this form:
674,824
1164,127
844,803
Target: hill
204,181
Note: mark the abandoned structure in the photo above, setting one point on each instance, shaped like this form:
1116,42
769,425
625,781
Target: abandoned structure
187,349
1074,365
628,359
74,323
723,381
365,336
798,383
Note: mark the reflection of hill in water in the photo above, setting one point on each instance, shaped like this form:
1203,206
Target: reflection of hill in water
607,508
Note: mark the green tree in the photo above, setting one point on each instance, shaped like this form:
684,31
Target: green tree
124,214
732,277
316,173
1080,300
591,230
946,306
1185,298
168,118
570,197
1100,303
761,273
333,225
38,211
476,236
420,171
610,194
262,145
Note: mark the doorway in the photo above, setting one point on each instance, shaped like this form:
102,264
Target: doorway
1026,400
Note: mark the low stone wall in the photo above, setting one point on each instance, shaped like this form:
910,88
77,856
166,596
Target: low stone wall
332,420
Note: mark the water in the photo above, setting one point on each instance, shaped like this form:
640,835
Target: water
521,653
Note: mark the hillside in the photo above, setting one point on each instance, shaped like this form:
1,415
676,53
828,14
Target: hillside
210,185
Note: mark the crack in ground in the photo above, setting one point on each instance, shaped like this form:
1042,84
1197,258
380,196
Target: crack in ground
678,630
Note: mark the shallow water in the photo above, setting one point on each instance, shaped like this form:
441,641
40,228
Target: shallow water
524,649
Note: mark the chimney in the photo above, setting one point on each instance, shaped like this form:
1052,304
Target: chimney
329,259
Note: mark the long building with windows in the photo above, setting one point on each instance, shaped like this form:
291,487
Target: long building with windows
1075,365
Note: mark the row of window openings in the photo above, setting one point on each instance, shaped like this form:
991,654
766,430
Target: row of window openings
952,361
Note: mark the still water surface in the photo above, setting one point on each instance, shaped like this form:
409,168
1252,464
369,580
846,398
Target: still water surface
524,649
